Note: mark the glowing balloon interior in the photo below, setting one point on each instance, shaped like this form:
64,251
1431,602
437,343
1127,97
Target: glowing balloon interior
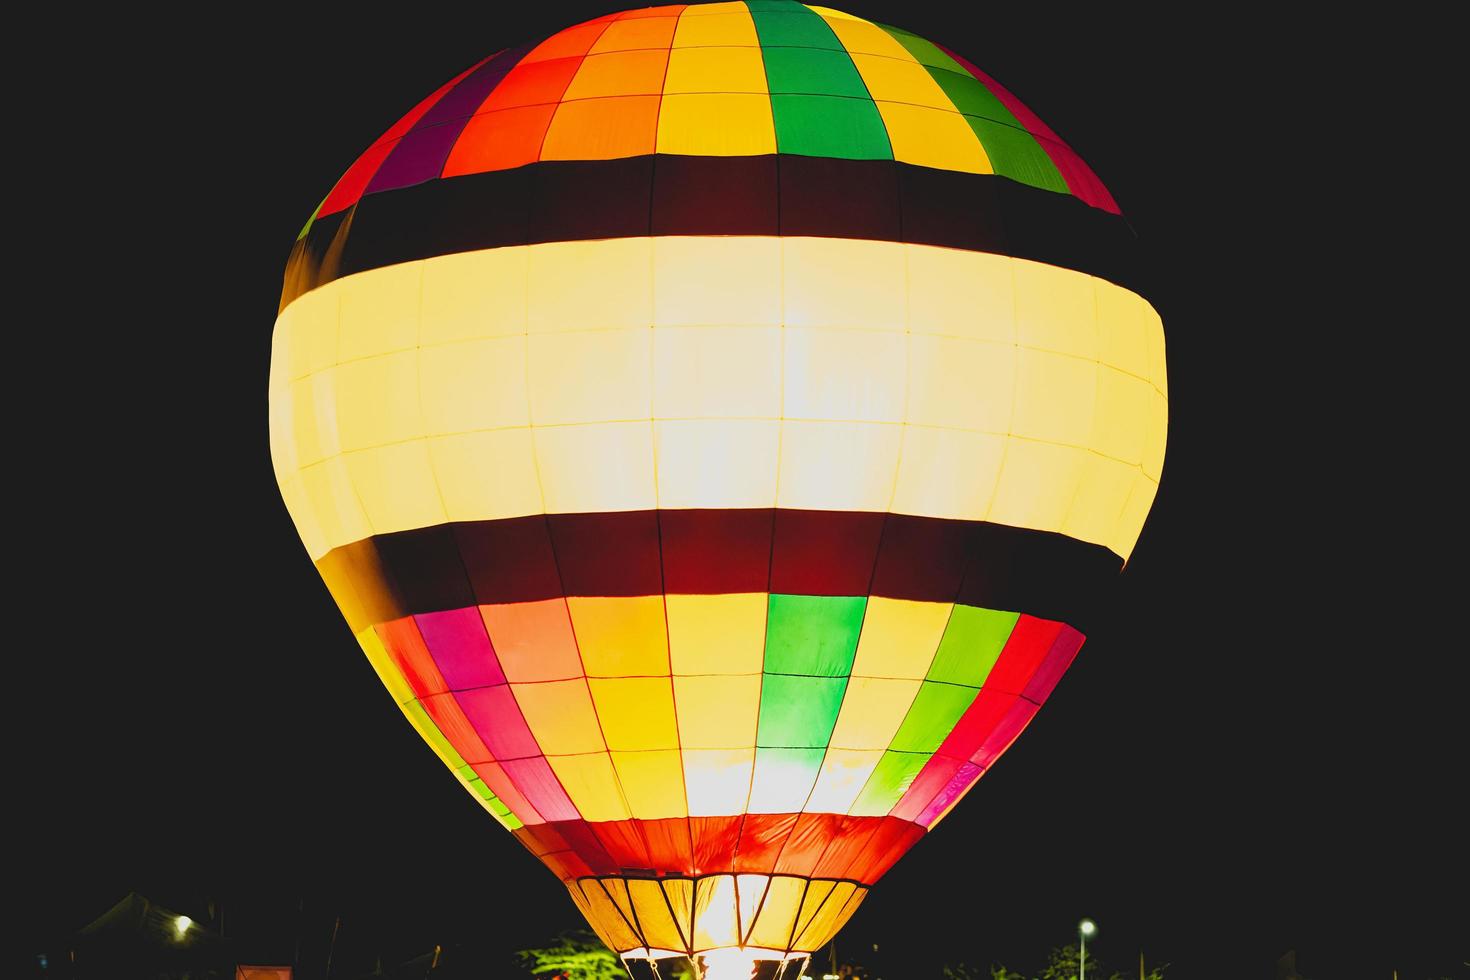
716,424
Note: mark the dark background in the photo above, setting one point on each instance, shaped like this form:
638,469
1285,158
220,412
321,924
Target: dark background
1263,748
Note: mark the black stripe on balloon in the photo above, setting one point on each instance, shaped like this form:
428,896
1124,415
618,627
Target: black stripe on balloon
704,552
555,201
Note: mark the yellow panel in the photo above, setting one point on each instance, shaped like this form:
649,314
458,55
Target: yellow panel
378,400
653,783
717,781
709,281
1156,372
621,73
710,9
590,376
304,516
680,893
1055,312
716,372
961,294
1120,422
474,295
824,924
717,634
1056,396
652,911
845,772
750,889
714,913
602,467
846,375
1037,483
706,69
560,715
1130,524
717,711
717,463
384,667
716,125
960,383
485,476
379,312
844,283
1122,329
588,285
933,138
591,784
310,405
833,927
899,638
620,635
604,916
874,707
1155,436
817,891
396,487
327,489
714,29
947,473
308,331
862,37
777,917
637,713
478,384
1095,515
891,80
838,465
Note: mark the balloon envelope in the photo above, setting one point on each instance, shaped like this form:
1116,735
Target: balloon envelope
716,424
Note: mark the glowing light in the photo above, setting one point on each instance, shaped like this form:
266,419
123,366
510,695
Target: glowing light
1087,927
182,924
730,963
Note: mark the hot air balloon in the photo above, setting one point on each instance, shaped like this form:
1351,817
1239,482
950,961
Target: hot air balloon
716,424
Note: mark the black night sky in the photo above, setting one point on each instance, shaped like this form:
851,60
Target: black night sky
1261,748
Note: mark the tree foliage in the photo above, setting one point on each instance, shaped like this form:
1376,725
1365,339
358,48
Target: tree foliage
1063,964
573,956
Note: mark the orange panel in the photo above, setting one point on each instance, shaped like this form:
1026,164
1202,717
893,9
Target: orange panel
667,10
568,43
533,640
620,73
538,83
603,129
633,32
500,140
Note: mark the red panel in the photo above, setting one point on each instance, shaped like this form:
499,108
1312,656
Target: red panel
501,785
850,840
1005,733
348,190
669,844
987,710
498,721
509,560
808,840
1027,647
891,842
623,843
534,83
921,558
761,838
585,843
545,837
536,780
824,552
707,552
607,554
406,648
1063,651
949,793
453,724
931,781
714,840
567,865
500,140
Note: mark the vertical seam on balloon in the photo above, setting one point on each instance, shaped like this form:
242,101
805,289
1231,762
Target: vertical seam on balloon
760,904
806,884
669,904
1096,399
418,356
1005,446
634,926
929,72
842,46
659,112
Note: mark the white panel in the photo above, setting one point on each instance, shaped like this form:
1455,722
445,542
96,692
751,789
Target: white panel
844,283
837,465
962,384
705,281
591,376
479,384
485,476
716,372
602,467
947,473
717,463
590,285
845,375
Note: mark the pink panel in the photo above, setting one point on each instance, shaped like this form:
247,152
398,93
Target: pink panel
1005,733
500,784
461,648
405,647
930,782
952,790
1063,651
498,720
536,781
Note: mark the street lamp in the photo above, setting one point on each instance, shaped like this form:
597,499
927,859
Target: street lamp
1085,928
182,924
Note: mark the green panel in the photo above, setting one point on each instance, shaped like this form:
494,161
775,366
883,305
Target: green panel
971,97
782,6
1015,153
307,227
829,126
931,717
926,53
799,712
816,635
972,642
891,779
804,71
433,735
793,26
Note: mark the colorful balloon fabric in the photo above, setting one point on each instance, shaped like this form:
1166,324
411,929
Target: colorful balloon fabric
716,424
